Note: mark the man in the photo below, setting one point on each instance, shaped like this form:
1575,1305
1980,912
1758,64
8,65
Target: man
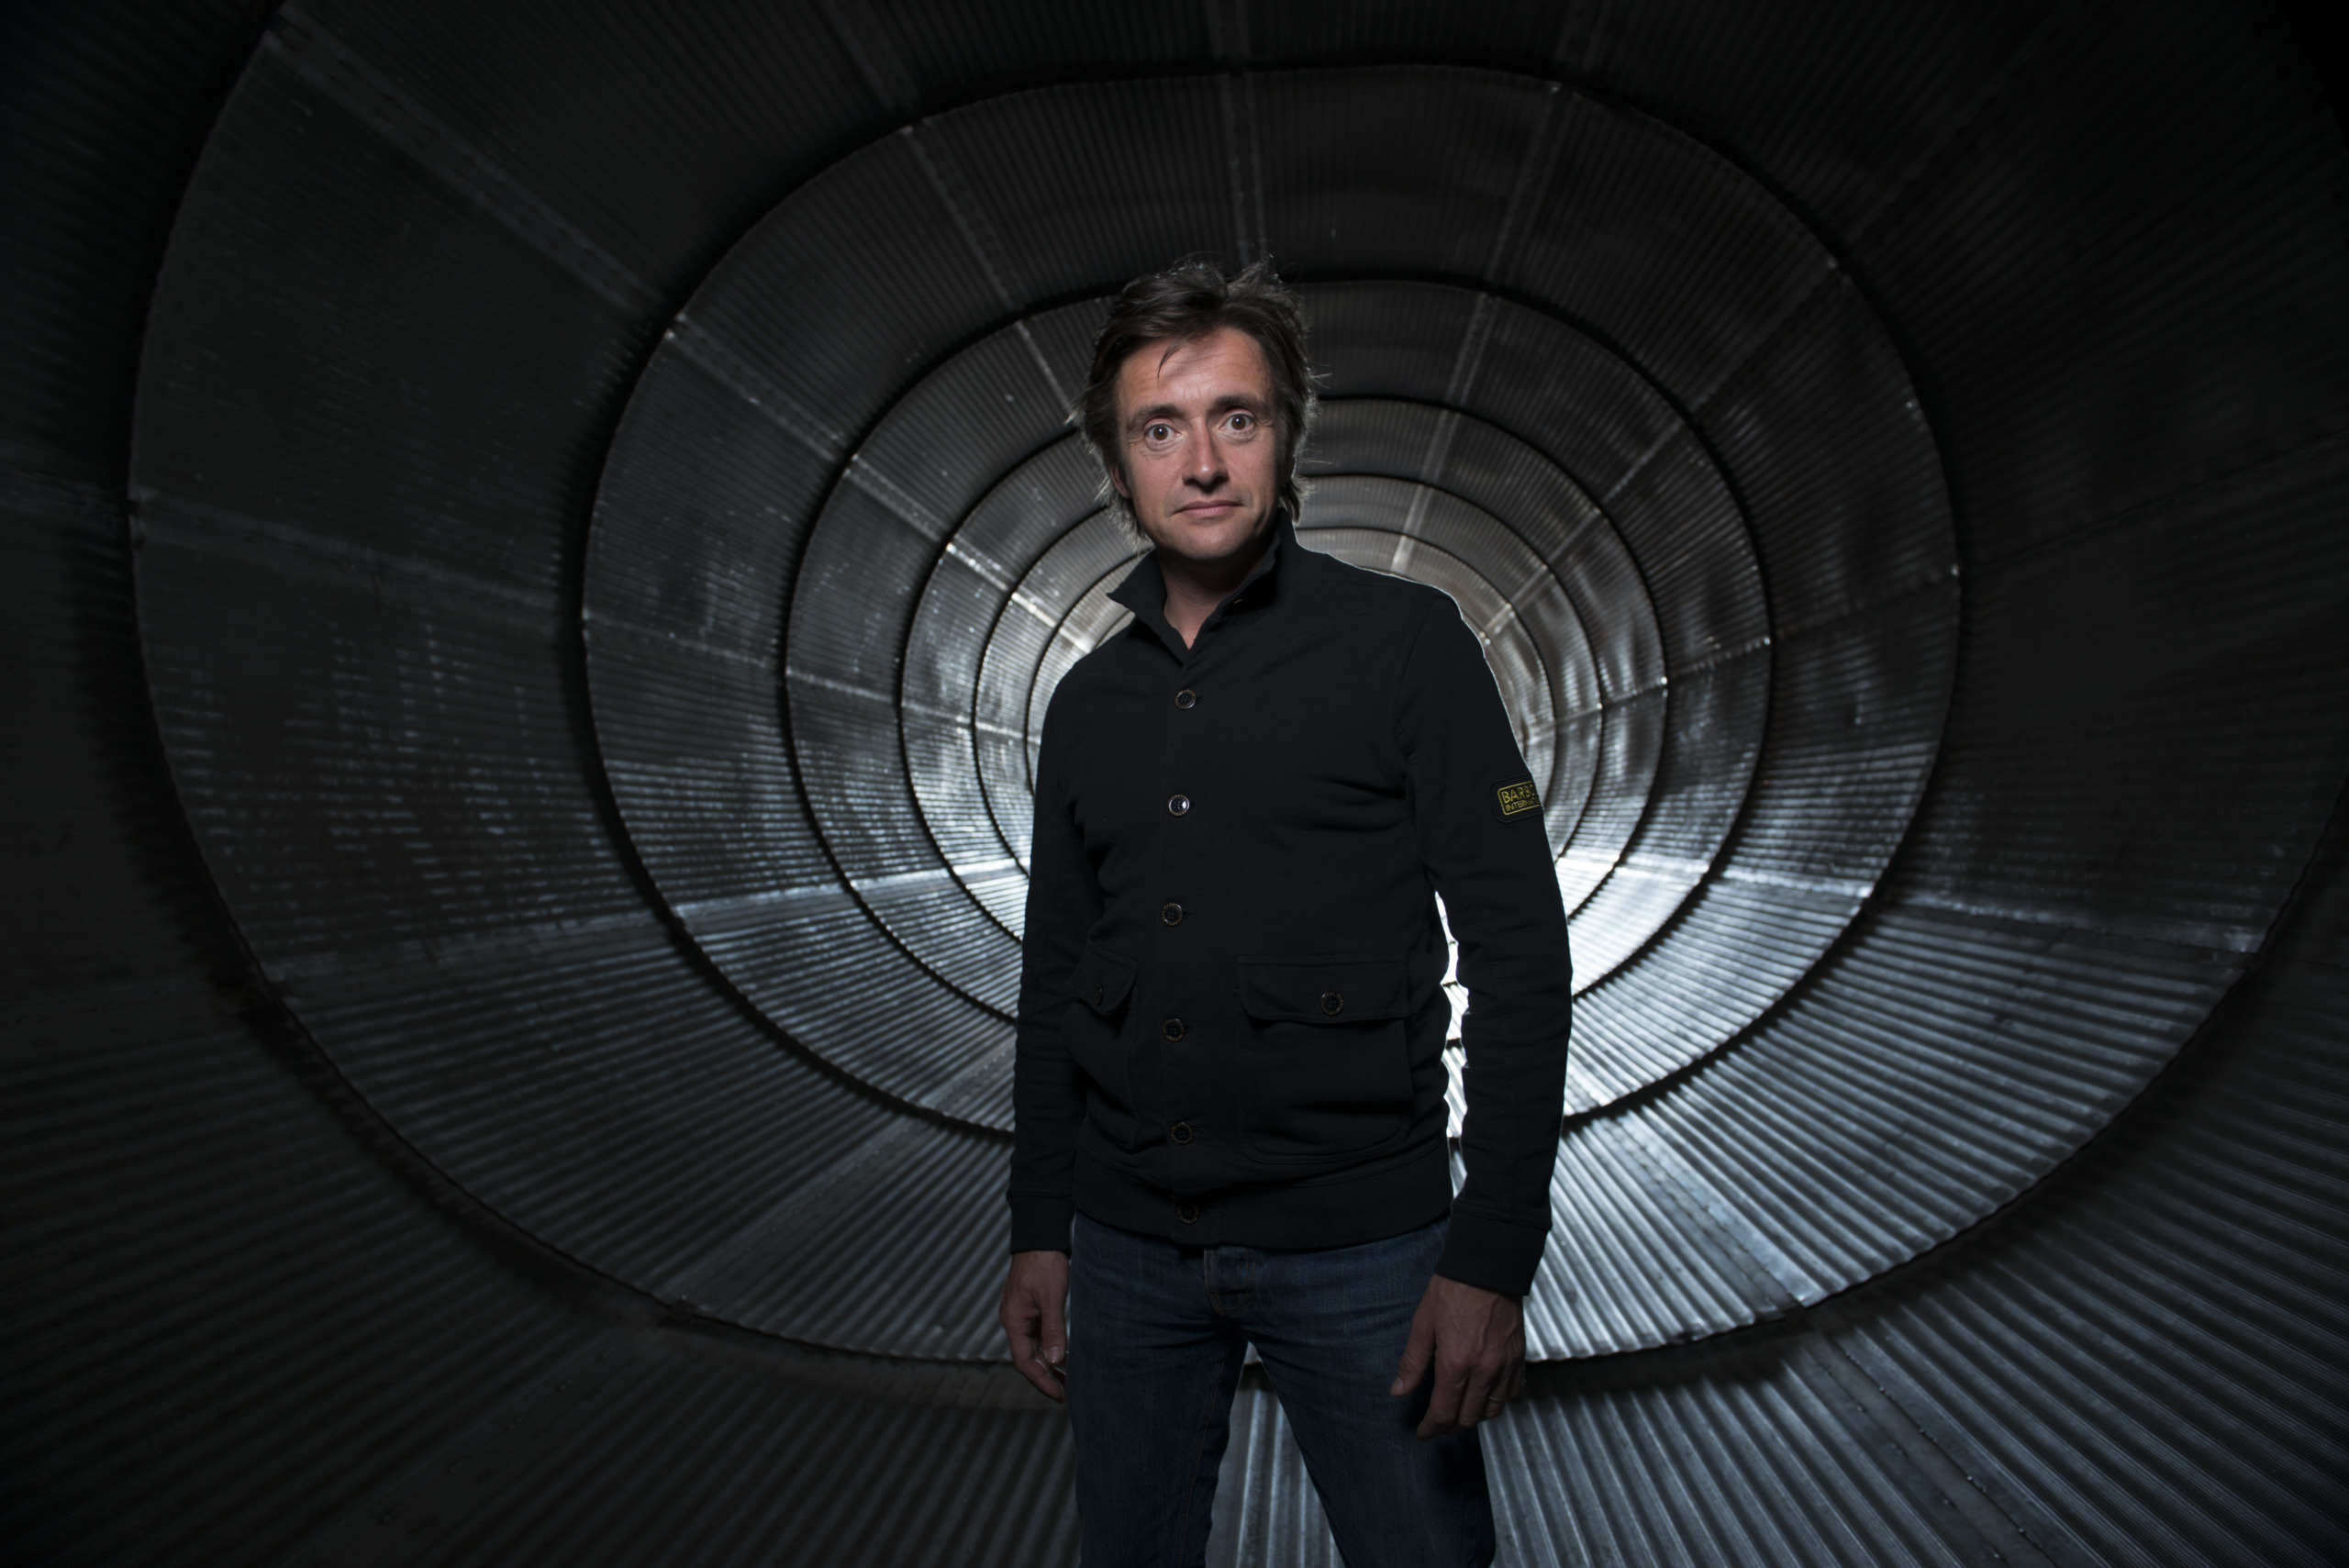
1231,1088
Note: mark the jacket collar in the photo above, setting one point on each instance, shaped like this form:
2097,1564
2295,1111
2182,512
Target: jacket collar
1143,590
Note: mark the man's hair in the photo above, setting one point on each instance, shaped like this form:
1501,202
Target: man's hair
1180,306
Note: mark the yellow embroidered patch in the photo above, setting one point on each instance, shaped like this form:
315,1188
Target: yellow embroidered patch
1518,798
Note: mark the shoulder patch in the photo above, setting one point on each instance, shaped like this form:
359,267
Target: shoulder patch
1519,799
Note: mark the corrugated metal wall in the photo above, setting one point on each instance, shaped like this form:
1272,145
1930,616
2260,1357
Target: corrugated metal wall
538,538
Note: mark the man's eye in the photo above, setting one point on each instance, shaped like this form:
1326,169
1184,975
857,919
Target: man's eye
1158,433
1243,422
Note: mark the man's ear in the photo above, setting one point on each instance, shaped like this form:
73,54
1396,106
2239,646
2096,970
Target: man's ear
1117,478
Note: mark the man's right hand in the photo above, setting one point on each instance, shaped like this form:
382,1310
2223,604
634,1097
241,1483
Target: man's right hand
1035,1318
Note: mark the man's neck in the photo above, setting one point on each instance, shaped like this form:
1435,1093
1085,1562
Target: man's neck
1194,588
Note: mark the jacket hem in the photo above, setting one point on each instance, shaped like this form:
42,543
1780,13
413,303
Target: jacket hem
1345,1210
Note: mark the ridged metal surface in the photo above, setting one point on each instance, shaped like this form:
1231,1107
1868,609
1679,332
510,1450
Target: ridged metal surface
593,605
751,1466
937,518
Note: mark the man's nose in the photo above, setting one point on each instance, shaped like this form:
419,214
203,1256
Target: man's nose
1206,462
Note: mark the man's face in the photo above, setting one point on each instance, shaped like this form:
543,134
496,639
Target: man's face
1197,450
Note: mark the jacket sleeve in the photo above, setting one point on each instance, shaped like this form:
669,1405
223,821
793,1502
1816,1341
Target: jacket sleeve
1048,1088
1480,827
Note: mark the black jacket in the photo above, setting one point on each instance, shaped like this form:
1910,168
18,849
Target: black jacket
1232,1012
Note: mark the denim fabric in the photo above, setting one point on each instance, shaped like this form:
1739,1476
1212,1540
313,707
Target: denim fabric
1156,1335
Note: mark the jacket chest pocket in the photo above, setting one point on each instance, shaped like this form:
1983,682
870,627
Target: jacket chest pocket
1325,1061
1099,1043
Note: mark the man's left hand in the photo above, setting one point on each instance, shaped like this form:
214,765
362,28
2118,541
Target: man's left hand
1476,1342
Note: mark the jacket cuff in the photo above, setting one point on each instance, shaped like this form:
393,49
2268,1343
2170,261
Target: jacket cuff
1492,1255
1039,1223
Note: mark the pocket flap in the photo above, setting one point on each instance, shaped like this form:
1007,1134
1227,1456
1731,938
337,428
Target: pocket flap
1324,990
1102,981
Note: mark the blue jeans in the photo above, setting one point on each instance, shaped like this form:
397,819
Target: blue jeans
1156,1335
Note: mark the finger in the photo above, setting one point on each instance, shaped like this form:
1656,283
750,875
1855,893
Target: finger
1031,1367
1443,1403
1506,1385
1020,1315
1046,1384
1480,1393
1047,1379
1416,1352
1055,1339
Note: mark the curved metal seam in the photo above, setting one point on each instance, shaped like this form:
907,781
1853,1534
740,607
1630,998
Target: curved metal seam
975,240
1011,595
350,1100
876,58
996,575
1615,351
668,910
745,381
1686,417
2002,83
711,354
1483,631
962,204
1546,312
1252,240
1539,156
790,748
1059,631
1654,1088
751,378
1816,1315
1593,40
297,41
1599,516
1547,667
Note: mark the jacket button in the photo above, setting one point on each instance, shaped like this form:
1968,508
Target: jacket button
1171,913
1332,1004
1172,1028
1182,1132
1178,803
1100,993
1187,1214
1186,698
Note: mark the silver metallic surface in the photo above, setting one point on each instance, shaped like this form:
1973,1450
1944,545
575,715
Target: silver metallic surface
539,541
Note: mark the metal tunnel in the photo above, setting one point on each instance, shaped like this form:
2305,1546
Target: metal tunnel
538,540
